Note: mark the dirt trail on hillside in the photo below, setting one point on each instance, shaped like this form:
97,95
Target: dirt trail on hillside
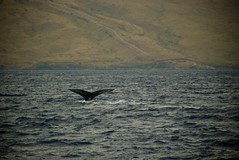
94,20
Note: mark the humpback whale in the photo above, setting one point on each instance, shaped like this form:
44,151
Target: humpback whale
90,95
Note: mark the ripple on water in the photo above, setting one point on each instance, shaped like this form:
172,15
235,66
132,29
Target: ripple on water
153,114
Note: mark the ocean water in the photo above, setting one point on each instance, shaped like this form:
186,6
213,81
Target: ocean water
151,114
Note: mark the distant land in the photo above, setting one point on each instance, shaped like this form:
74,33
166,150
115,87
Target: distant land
76,34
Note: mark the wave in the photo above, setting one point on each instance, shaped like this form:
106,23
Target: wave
121,102
58,142
118,102
12,95
229,143
111,102
108,132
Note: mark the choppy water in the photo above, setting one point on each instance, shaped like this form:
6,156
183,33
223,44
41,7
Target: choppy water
155,114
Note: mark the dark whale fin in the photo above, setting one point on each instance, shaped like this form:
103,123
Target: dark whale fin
90,95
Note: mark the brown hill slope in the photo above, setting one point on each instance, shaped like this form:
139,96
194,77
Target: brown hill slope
106,33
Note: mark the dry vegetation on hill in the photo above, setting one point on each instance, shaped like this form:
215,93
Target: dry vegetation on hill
107,33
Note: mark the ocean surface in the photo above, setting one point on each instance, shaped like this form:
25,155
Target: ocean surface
151,114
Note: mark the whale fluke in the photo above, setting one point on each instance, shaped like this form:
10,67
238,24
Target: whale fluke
90,95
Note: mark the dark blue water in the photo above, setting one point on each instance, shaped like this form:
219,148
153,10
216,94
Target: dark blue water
151,114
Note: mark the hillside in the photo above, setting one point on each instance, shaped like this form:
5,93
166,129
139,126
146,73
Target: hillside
107,33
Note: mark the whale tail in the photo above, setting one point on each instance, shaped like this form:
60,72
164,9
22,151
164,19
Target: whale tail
90,95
